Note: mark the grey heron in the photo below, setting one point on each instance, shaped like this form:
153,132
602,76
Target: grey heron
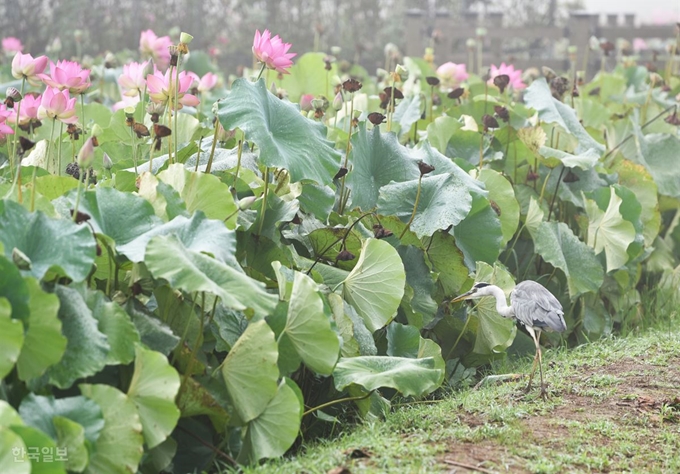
530,304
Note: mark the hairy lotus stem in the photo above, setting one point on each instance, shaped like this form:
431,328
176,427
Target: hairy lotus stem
61,133
344,198
415,207
134,149
264,66
16,127
82,114
264,200
80,185
455,344
335,402
208,167
239,152
173,131
557,187
176,101
390,106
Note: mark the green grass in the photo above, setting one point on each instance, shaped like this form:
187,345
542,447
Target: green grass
594,420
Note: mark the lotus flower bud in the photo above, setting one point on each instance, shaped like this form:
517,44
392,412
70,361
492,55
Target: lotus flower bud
246,203
480,32
471,43
86,154
335,50
338,101
107,164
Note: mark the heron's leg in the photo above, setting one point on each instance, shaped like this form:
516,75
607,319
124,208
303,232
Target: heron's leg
532,333
540,363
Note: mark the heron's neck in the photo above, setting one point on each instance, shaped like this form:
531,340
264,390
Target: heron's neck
501,303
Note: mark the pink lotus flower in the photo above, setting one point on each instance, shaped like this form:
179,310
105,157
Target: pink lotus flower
155,47
161,88
515,75
306,102
133,80
58,105
207,82
12,45
29,110
272,52
126,101
452,74
4,128
639,45
25,67
67,75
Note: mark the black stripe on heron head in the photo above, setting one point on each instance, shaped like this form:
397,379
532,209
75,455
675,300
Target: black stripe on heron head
481,285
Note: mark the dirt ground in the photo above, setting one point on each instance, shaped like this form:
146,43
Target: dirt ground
637,394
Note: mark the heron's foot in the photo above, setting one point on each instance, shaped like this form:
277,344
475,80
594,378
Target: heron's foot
527,389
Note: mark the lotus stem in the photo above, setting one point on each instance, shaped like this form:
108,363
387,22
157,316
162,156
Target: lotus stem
61,133
238,160
74,217
264,200
264,66
134,149
16,127
415,207
208,167
82,114
335,402
176,105
343,197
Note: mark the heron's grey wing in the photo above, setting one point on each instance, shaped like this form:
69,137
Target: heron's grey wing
536,307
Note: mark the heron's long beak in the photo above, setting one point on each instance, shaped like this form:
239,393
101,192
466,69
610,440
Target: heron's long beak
462,297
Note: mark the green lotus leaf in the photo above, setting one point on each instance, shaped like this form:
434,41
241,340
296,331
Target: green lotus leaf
39,411
551,110
608,231
154,333
406,341
558,246
420,280
286,139
153,389
34,438
87,348
119,447
376,284
203,192
411,377
71,436
195,399
407,112
14,288
554,158
636,179
308,76
196,233
275,429
250,371
9,441
41,239
658,153
502,195
479,235
444,201
193,271
11,338
117,215
441,130
377,160
448,262
44,344
308,327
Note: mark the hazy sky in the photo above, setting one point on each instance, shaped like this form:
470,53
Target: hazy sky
647,11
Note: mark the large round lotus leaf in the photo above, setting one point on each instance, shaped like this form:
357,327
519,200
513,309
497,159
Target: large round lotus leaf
558,246
119,447
308,327
285,138
44,344
34,438
376,284
153,389
87,348
274,430
502,195
120,216
194,271
46,243
10,441
251,372
11,338
411,377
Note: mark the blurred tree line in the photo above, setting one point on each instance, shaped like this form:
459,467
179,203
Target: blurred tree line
361,28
